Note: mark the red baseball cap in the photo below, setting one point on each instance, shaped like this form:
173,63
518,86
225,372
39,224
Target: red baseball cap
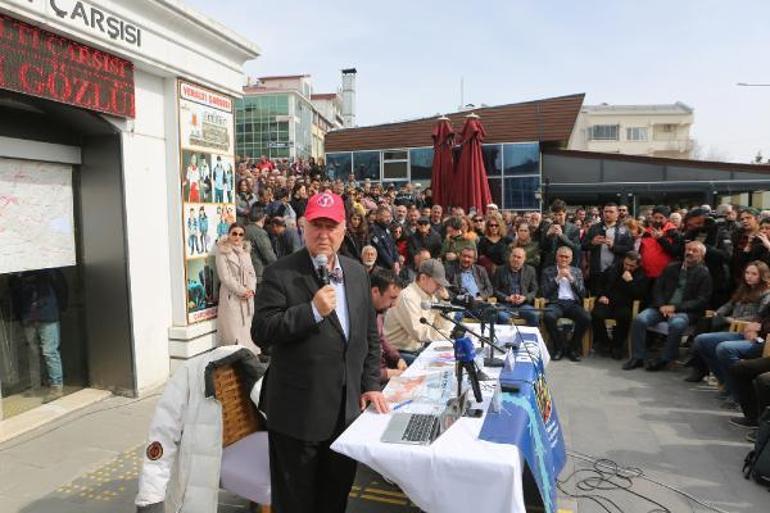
325,205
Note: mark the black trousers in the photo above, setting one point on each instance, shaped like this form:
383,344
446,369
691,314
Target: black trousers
751,385
308,477
569,310
594,280
622,316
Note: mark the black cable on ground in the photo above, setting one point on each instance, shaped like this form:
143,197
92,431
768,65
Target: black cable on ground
606,475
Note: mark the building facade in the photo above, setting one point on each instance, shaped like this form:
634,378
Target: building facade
399,152
114,116
651,130
280,117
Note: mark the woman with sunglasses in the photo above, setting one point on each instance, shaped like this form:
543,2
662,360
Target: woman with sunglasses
493,245
238,284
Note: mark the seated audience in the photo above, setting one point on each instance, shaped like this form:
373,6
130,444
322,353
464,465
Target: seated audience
679,298
455,240
748,303
409,272
530,245
385,291
493,246
424,237
515,284
466,276
402,322
751,385
369,258
562,285
622,284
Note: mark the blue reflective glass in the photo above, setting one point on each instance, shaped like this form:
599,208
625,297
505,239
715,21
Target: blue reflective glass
422,163
366,164
521,159
519,193
493,159
338,165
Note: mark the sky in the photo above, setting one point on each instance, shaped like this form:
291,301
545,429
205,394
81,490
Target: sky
411,56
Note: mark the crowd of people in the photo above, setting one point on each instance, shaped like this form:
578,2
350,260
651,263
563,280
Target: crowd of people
689,273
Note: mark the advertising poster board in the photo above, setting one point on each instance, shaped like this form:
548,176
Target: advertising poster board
207,178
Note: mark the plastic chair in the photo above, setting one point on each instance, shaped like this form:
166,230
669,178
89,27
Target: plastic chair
245,467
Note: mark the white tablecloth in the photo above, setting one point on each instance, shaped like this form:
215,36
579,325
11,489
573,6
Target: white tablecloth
457,472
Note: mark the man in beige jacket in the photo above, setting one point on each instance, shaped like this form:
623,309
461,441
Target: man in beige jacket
402,322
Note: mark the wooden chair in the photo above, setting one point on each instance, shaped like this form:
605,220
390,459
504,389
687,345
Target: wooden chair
245,469
541,302
610,323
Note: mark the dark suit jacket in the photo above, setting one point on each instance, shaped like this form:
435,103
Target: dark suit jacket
528,282
549,288
697,291
622,244
479,274
621,293
311,363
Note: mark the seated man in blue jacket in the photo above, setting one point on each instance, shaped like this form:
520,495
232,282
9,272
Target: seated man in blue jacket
680,297
562,285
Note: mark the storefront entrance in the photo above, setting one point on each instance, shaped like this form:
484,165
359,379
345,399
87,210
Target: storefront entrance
64,316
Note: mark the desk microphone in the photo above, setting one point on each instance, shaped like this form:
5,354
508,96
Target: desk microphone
441,307
321,262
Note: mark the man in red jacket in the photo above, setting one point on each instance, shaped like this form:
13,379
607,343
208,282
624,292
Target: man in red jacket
661,243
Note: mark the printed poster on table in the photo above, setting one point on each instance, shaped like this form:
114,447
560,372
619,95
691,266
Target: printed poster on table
207,178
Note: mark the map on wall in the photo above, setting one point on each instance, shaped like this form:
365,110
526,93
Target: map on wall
36,219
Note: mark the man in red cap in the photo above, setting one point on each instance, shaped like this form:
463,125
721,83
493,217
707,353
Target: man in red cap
314,310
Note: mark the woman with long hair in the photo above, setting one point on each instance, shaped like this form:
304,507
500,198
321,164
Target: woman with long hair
467,229
493,246
356,236
749,302
238,285
399,235
298,199
245,200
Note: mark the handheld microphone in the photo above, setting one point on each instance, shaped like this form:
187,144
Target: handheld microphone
321,262
441,307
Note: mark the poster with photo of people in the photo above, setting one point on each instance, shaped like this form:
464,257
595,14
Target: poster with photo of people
207,178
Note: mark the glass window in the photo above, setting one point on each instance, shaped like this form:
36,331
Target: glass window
603,133
496,188
521,159
636,134
519,193
421,160
366,164
338,165
493,159
394,155
394,170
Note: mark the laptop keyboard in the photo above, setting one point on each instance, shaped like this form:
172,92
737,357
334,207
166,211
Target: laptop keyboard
420,428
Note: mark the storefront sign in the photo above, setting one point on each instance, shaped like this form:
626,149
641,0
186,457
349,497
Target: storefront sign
207,169
40,63
96,19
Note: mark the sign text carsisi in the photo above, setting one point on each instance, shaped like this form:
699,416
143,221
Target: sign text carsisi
40,63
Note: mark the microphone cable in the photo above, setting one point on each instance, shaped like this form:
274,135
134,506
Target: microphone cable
604,475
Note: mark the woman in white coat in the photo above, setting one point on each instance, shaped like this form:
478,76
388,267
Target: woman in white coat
238,284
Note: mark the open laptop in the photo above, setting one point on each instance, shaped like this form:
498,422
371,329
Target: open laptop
423,428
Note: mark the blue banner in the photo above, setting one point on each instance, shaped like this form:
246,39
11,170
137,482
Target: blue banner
528,420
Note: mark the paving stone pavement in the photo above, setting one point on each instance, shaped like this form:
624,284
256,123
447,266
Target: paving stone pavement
673,431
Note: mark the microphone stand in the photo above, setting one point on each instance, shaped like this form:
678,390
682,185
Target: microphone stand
467,363
481,338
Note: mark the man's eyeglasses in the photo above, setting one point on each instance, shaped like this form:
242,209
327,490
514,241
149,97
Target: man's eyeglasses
478,220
